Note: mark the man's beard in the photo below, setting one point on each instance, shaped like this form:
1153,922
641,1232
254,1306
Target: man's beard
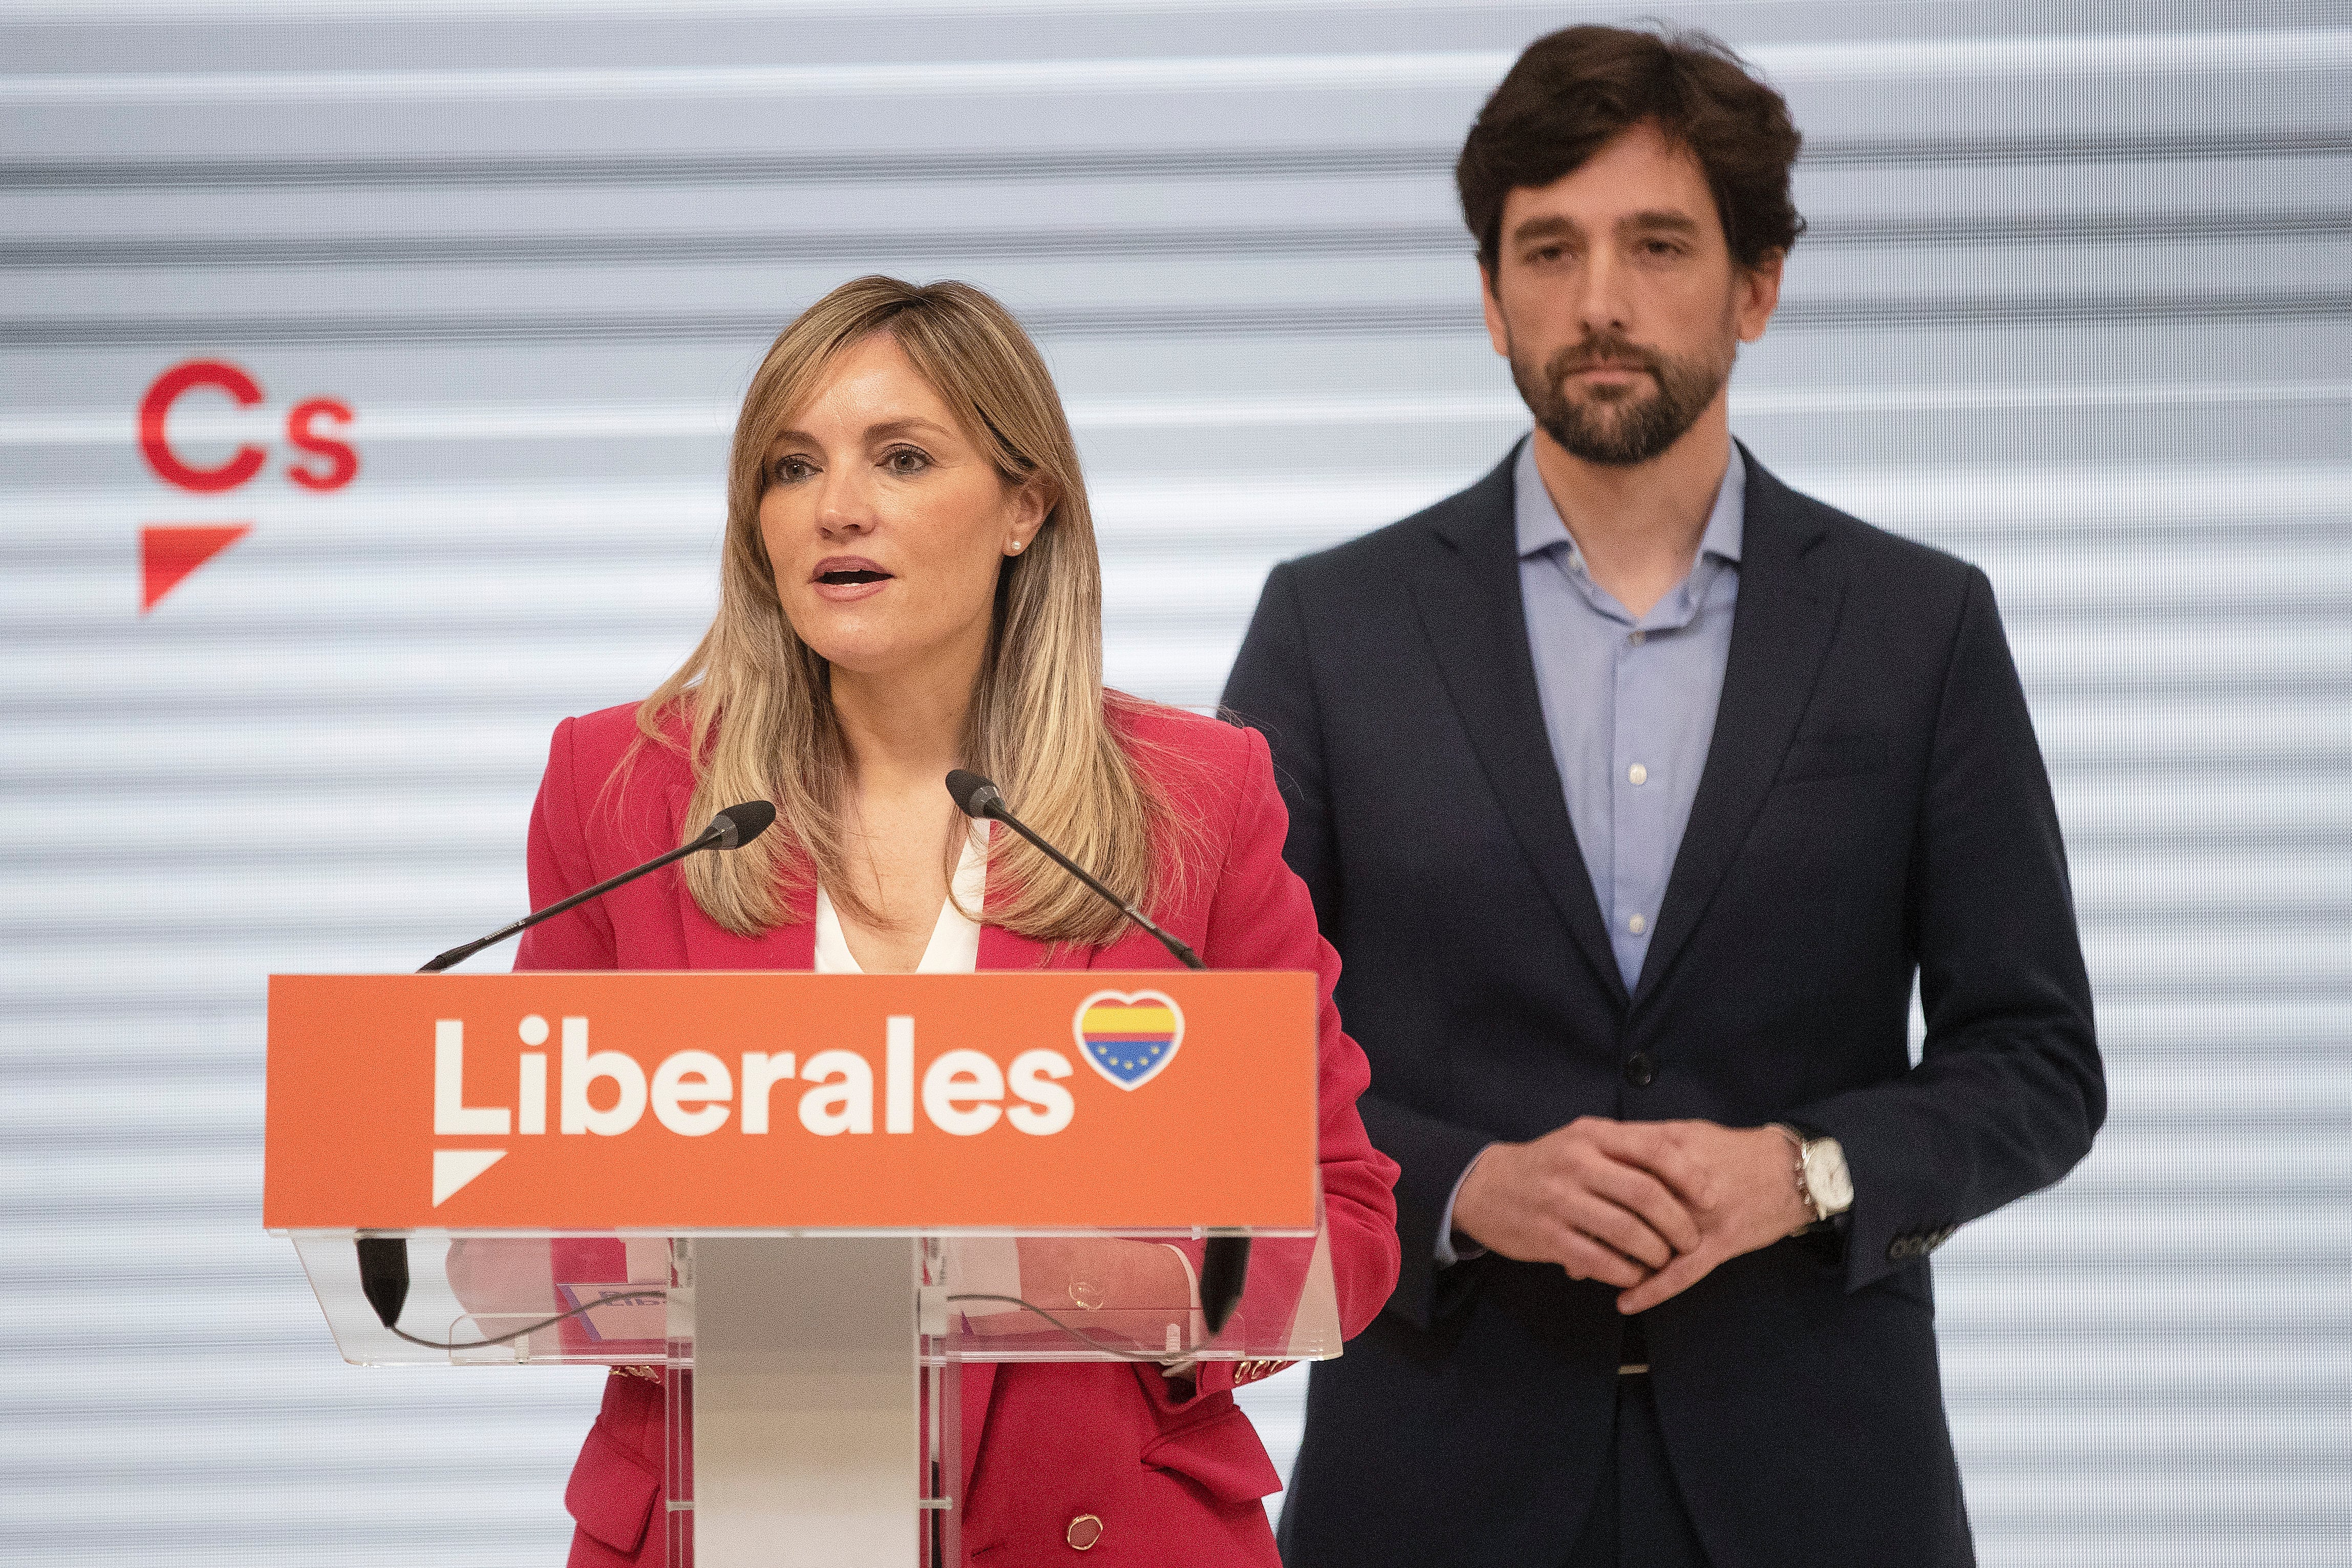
1620,426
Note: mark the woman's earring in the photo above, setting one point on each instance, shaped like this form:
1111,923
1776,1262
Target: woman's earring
1016,547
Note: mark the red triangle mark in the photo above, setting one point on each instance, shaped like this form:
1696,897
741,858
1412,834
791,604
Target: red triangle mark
169,551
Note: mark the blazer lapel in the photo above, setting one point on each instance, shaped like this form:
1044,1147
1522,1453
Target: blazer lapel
977,1382
1787,615
1002,949
1477,624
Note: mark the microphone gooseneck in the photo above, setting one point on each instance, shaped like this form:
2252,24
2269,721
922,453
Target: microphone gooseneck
730,830
1225,1260
383,1260
976,797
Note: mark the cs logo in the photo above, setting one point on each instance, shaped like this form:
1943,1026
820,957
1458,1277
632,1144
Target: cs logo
170,551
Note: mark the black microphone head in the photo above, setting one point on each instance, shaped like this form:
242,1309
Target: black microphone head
384,1275
974,796
738,825
1224,1275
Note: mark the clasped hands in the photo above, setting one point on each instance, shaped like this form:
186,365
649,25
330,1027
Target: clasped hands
1651,1207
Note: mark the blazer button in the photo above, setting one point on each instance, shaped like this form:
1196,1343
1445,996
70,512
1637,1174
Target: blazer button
1084,1532
1640,1071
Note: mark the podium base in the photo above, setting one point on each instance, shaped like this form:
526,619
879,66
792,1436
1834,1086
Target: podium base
820,1420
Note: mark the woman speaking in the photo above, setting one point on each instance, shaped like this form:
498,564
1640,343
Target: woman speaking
910,585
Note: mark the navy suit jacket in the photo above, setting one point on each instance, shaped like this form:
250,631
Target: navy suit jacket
1873,806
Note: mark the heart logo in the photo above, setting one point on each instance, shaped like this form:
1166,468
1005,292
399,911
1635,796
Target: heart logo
1129,1037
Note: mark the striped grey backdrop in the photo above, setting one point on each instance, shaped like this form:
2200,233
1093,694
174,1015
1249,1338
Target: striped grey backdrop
2073,305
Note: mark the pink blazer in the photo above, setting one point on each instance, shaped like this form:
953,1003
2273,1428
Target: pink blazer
1174,1482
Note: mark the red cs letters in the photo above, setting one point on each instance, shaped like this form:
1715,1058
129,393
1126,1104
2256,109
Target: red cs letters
337,464
343,462
157,406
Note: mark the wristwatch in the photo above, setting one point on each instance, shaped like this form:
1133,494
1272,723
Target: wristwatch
1823,1180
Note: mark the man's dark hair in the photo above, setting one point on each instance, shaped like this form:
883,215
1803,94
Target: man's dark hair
1575,90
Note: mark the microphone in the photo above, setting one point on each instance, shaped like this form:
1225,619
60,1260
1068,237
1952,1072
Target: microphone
976,797
1225,1260
732,829
383,1260
384,1275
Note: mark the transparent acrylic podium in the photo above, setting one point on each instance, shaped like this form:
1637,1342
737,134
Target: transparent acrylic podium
803,1205
820,1421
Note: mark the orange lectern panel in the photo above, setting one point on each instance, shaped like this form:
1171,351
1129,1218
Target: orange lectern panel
767,1102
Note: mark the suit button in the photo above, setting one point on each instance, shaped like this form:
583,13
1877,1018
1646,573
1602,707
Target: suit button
1640,1071
1084,1532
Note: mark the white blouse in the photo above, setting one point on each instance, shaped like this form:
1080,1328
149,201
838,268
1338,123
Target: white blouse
955,940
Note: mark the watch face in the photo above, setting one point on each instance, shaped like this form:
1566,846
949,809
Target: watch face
1826,1176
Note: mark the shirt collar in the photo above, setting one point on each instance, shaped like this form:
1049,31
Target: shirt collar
1541,529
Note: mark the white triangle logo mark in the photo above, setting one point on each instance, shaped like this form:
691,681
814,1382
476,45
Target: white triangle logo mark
453,1168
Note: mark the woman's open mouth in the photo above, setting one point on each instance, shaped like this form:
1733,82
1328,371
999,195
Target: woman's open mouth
841,579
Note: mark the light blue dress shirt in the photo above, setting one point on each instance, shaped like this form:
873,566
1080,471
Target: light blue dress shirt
1629,704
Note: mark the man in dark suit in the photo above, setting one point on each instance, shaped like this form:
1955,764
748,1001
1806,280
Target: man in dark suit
1635,789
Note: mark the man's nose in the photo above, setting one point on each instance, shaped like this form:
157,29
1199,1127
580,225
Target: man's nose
1600,302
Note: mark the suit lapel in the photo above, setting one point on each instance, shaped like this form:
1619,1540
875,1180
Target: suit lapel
1787,615
1473,613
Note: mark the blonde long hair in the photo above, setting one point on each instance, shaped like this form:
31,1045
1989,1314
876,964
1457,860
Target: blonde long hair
756,701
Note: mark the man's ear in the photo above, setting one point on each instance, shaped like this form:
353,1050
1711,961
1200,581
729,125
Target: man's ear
1496,333
1758,291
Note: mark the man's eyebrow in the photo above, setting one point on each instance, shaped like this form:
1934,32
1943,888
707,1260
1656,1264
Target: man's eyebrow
1666,218
1550,225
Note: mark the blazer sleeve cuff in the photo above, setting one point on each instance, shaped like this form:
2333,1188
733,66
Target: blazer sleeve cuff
1451,1252
1896,1220
1433,1156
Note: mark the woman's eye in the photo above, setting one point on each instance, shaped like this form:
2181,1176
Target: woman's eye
789,469
905,460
